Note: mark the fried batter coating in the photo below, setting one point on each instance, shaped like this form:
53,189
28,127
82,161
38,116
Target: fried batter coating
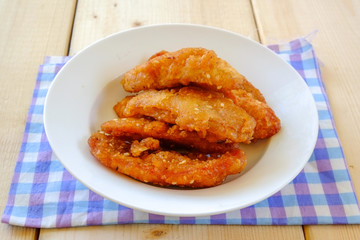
193,109
166,168
197,66
137,148
120,106
138,128
267,123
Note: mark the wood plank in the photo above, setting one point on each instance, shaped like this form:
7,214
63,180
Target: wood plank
29,31
97,19
337,46
333,232
154,231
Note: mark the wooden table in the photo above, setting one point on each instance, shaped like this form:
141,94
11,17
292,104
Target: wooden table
33,29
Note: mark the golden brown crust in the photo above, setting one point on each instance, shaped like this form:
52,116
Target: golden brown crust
139,147
166,168
267,123
186,66
139,128
189,98
120,106
193,109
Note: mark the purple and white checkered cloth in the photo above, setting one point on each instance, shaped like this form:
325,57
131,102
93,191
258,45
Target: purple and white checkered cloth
43,194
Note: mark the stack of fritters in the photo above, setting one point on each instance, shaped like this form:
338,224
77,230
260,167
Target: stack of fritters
184,125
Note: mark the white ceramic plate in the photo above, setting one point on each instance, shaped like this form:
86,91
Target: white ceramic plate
85,90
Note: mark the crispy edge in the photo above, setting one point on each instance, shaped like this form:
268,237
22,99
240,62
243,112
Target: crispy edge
138,128
267,123
185,108
186,66
166,168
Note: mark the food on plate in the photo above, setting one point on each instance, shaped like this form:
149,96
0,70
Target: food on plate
152,164
193,109
171,135
198,66
203,68
147,144
267,123
120,106
186,121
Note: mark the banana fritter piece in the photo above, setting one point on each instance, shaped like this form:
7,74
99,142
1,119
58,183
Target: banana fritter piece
193,109
139,128
198,66
166,168
146,144
267,123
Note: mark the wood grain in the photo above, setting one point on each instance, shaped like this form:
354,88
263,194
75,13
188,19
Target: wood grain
337,47
29,31
97,19
154,231
332,232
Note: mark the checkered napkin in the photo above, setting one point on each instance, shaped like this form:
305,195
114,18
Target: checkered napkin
43,194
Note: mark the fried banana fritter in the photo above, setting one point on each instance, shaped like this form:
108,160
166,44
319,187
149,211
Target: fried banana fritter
198,66
267,123
165,168
189,98
193,109
139,147
139,128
